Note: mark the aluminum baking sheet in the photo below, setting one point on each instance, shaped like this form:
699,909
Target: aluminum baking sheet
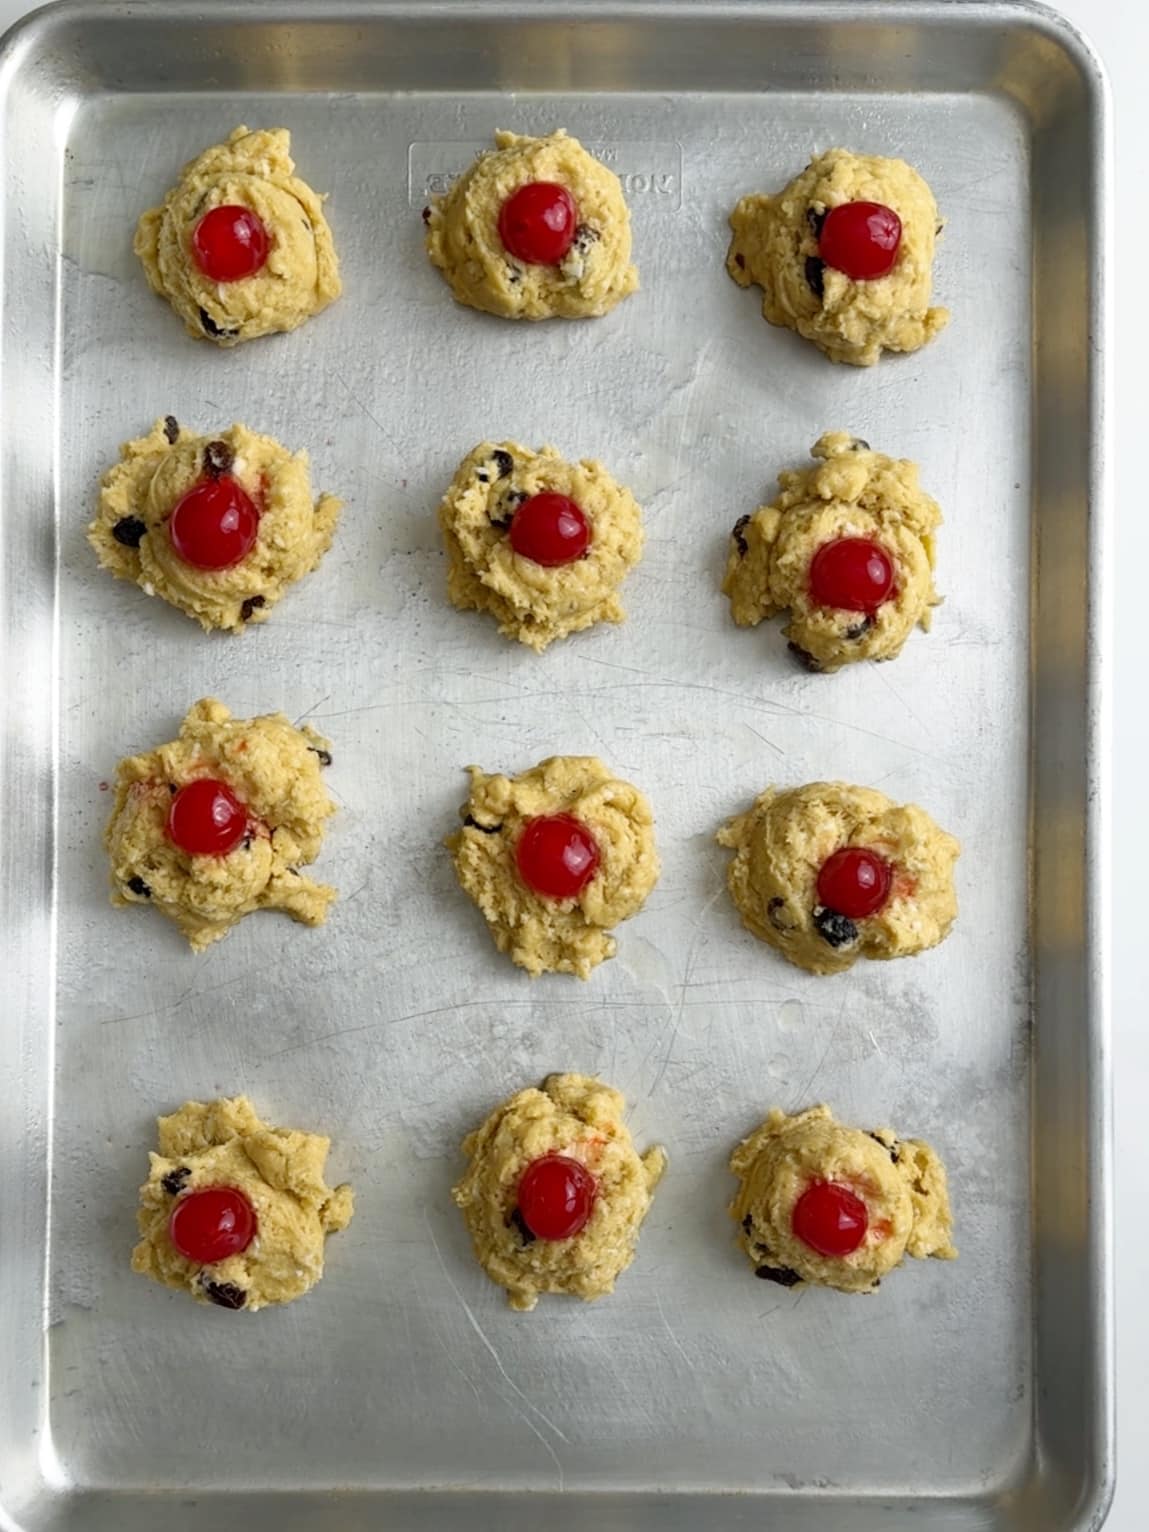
403,1392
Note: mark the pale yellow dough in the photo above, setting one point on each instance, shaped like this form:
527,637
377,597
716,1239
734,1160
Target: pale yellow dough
775,237
530,602
301,274
581,1118
463,233
273,768
549,935
780,845
849,492
901,1181
139,493
279,1170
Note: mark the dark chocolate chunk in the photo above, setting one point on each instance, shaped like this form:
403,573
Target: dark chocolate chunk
247,839
585,235
805,659
324,755
520,1224
858,445
777,904
226,1294
739,260
486,829
815,219
217,459
426,215
483,478
173,1182
250,605
503,461
171,429
211,328
860,629
128,531
748,1224
891,1149
173,789
785,1276
138,886
815,271
736,534
838,930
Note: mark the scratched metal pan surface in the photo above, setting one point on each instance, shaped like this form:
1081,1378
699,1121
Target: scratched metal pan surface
402,1392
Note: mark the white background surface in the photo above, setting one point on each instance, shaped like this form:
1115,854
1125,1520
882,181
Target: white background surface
1119,29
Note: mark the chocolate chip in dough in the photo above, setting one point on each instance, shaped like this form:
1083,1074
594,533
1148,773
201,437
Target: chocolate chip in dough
175,1180
139,887
225,1294
740,542
217,459
805,659
859,629
250,605
324,755
585,235
128,531
171,429
486,829
211,328
815,219
739,260
783,1275
891,1149
504,462
520,1224
837,930
815,273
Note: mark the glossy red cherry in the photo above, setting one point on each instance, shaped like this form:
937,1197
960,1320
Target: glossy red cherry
230,243
830,1218
215,524
537,223
854,882
852,573
556,1197
861,239
206,818
550,529
557,856
209,1225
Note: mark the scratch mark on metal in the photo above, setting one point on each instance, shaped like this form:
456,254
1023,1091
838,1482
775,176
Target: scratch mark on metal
503,1373
674,1340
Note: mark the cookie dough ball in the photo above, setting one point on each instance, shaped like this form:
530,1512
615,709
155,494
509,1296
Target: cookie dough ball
537,228
829,873
555,1192
216,526
540,543
219,823
235,1212
240,247
847,547
555,858
834,1206
844,255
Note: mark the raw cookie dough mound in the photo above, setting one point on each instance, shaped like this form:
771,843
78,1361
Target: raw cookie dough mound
540,543
216,526
847,547
219,823
537,228
844,255
555,1192
555,858
235,1212
829,873
834,1206
240,247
